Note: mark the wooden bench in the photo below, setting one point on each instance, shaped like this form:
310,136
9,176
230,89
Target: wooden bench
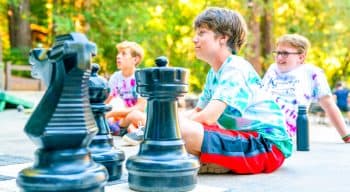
13,82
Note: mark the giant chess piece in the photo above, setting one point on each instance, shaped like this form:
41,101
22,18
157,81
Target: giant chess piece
102,148
162,163
62,125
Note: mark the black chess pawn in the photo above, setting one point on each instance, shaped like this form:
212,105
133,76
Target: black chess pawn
162,163
102,149
62,125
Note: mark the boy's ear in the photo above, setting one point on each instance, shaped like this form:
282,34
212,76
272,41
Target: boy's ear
137,60
302,57
223,39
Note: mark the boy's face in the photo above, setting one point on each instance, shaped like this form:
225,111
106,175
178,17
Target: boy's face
206,43
287,57
125,60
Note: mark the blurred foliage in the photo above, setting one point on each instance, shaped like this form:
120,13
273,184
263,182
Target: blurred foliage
165,28
16,56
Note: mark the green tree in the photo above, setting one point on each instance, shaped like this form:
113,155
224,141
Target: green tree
165,28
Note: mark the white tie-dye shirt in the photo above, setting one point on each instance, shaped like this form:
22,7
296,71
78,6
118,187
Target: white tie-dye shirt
249,108
123,87
300,86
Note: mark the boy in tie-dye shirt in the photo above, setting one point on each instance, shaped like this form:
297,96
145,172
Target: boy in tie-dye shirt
294,83
128,113
235,127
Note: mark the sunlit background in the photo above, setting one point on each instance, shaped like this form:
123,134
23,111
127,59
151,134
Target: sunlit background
165,28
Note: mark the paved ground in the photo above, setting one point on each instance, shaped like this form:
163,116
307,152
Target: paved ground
324,168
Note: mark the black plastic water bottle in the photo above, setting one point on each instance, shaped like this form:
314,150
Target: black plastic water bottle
302,129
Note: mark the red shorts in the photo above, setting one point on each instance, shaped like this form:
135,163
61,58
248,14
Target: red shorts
241,151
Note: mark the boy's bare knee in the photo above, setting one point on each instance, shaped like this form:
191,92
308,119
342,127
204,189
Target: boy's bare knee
192,134
134,114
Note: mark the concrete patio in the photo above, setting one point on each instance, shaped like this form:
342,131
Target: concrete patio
324,168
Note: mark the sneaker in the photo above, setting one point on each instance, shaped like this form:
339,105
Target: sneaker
134,138
212,168
123,131
116,129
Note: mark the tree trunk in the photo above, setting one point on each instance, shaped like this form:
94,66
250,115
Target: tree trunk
254,45
2,69
19,29
266,32
0,49
347,73
346,67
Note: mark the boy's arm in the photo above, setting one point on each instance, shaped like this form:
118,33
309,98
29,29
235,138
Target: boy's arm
109,98
211,113
192,112
334,114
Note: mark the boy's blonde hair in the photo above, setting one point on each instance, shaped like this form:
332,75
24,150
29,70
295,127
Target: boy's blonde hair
224,22
301,43
135,49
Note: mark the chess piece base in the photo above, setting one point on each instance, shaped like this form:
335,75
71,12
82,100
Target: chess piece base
63,170
162,166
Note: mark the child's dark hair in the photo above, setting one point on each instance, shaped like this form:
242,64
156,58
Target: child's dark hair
224,22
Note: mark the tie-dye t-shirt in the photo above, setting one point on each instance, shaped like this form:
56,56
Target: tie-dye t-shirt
125,88
300,86
248,108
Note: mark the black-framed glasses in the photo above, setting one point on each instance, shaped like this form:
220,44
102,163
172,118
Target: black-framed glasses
284,54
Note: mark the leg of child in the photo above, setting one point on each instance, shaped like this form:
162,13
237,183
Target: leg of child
133,120
192,133
213,145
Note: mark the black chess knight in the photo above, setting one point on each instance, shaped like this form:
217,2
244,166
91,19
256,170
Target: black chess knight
62,125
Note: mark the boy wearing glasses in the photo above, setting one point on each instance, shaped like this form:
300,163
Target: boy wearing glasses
235,127
293,83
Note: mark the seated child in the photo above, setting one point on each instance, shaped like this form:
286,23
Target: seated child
128,107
